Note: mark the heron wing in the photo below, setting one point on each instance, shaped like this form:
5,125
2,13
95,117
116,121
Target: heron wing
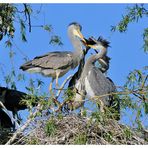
99,83
102,85
53,60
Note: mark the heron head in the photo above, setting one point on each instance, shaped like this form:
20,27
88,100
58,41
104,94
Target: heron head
96,44
75,28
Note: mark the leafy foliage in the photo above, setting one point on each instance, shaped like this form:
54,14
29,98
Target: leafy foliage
7,14
50,127
80,139
145,38
134,14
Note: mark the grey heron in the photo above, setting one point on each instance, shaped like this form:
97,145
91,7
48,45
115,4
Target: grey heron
96,84
92,80
76,84
58,63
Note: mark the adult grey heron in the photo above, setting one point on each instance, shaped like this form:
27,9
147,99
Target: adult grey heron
56,64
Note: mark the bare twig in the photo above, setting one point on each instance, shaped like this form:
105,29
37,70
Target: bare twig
28,13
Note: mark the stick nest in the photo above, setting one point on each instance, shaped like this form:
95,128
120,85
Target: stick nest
75,129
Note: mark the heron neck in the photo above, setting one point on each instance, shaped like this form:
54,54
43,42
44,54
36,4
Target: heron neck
91,61
78,53
95,57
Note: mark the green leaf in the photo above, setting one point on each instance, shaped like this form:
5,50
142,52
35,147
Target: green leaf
146,107
50,127
47,28
55,40
13,85
40,83
11,54
8,43
145,38
23,30
20,77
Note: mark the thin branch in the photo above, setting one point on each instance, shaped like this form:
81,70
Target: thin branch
29,20
62,86
117,93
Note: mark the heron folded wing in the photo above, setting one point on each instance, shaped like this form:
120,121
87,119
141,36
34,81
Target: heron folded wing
53,60
100,84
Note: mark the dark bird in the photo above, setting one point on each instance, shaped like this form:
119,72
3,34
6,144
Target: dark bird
12,100
5,120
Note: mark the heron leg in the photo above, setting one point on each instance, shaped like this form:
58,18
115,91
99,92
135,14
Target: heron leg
50,85
57,76
101,105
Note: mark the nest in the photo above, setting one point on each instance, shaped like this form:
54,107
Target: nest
75,129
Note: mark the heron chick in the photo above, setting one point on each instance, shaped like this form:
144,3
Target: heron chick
96,84
77,84
93,81
58,63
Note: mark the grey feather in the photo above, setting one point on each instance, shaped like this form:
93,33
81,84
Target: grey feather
52,60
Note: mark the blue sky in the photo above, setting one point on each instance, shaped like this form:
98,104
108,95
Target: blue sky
96,19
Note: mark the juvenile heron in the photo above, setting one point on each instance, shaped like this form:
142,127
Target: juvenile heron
96,84
56,64
76,84
93,82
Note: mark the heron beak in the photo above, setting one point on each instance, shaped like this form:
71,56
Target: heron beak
79,34
96,47
92,46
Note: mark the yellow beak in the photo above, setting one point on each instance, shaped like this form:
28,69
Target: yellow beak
92,46
79,34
